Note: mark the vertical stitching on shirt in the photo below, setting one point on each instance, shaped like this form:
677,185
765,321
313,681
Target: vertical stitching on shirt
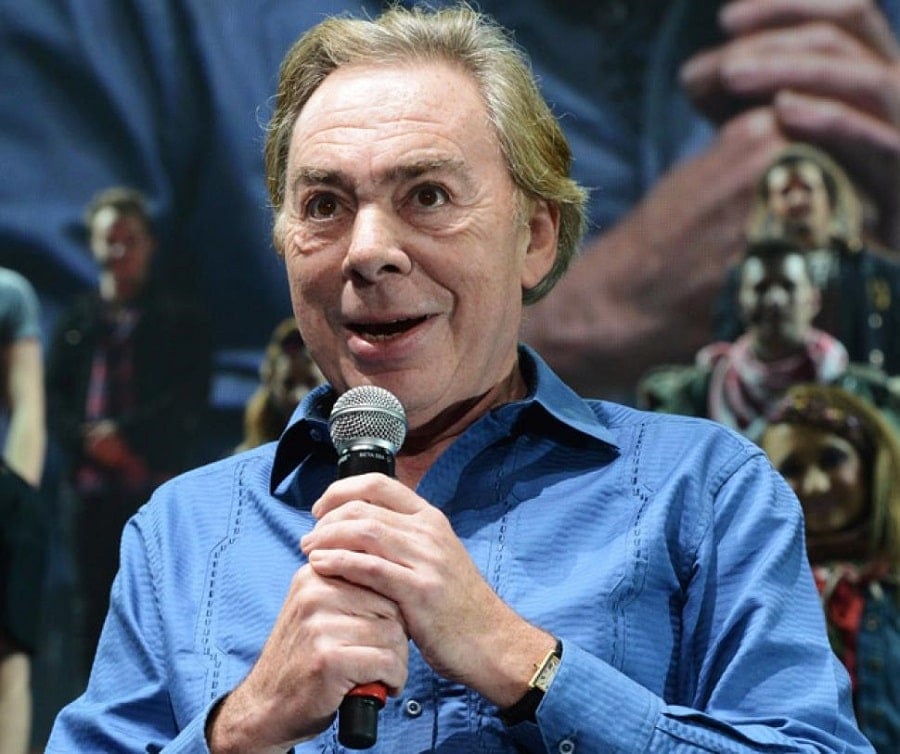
154,587
621,598
206,642
436,706
501,542
476,715
504,522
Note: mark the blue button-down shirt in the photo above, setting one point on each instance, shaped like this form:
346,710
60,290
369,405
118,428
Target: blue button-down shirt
664,551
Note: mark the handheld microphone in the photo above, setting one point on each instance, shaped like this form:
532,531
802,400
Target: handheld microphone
367,427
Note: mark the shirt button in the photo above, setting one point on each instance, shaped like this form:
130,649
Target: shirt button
566,746
875,320
876,357
413,708
872,624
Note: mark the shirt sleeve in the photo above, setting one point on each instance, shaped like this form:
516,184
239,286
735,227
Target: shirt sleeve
757,670
19,308
126,706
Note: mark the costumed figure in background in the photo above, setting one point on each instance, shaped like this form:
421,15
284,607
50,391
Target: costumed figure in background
806,197
843,460
737,383
286,375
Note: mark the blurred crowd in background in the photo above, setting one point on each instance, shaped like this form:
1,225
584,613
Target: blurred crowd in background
742,265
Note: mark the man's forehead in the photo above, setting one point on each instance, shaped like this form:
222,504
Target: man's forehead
429,108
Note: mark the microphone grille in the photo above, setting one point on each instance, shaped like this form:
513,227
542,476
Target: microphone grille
367,412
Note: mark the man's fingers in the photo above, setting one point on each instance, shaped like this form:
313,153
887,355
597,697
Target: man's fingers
861,18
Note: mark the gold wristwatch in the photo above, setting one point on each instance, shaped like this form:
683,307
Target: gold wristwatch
524,710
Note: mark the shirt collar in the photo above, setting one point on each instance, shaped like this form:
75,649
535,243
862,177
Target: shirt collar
548,398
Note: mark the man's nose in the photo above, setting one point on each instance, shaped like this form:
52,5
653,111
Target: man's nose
376,245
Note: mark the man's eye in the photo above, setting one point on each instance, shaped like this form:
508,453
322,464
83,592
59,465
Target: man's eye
322,206
430,196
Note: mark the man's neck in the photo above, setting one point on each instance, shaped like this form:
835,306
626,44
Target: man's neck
425,443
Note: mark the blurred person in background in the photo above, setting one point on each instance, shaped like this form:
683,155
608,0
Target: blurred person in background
805,196
843,460
737,383
286,375
128,376
23,528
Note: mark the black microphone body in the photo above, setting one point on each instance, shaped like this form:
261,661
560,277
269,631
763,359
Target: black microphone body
364,459
367,426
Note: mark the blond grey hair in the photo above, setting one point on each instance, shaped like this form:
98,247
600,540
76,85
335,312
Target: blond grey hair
536,152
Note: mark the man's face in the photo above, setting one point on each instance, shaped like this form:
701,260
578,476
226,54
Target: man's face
778,301
798,198
122,247
404,250
824,470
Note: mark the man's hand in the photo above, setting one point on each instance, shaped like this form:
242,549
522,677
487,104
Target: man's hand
105,445
330,636
830,70
375,532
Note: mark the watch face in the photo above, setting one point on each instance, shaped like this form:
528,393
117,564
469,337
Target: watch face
546,672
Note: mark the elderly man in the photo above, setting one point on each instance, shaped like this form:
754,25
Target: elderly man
421,195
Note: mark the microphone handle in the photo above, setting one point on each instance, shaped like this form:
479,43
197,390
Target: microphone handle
358,713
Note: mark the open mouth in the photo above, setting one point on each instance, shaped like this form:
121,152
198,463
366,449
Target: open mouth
381,331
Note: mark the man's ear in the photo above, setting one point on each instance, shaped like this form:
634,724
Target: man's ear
543,236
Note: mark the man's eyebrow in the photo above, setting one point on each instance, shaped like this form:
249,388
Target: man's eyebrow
309,176
312,176
421,167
